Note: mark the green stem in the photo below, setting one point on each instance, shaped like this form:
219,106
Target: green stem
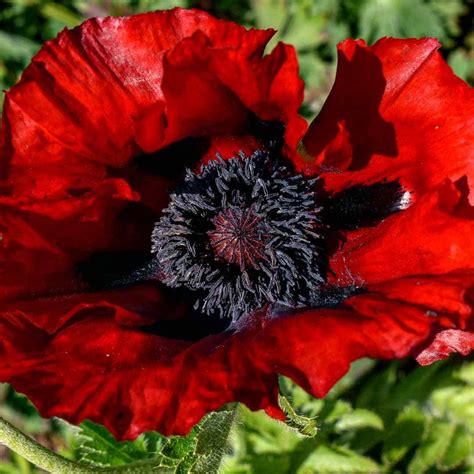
35,452
54,463
212,441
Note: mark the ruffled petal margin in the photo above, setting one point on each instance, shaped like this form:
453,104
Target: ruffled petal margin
433,236
396,112
94,94
446,343
73,177
77,359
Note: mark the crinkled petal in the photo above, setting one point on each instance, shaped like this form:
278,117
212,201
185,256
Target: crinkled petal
446,343
70,162
209,91
42,241
448,300
448,297
87,363
433,236
396,111
73,116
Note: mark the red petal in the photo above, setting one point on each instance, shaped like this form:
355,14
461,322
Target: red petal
446,343
229,146
73,111
68,131
43,240
209,91
447,297
271,88
396,111
448,300
68,126
432,236
88,366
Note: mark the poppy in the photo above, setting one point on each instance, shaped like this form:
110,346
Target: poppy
174,236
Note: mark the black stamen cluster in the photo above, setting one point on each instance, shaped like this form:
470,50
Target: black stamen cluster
270,257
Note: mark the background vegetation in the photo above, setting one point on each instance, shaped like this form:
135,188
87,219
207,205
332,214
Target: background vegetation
382,417
313,26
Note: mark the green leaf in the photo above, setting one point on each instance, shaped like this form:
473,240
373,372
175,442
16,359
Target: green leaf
399,18
269,13
358,369
97,446
433,447
336,459
462,64
274,463
333,410
61,14
418,384
459,450
213,441
406,432
359,418
449,13
258,433
455,402
16,48
199,452
466,374
377,389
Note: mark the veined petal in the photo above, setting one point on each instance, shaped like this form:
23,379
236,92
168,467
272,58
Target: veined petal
396,111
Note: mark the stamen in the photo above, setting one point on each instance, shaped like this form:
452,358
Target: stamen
241,234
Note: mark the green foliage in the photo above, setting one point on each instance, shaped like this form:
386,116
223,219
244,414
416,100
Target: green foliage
381,417
400,18
314,27
405,433
18,465
95,445
199,452
392,419
19,410
335,459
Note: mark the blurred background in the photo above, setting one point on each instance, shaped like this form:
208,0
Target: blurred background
314,27
382,417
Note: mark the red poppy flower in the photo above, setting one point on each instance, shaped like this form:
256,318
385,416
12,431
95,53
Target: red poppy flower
141,295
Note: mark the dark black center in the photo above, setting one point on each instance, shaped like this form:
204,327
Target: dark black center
240,234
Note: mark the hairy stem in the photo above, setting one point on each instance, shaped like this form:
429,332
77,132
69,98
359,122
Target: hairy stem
212,442
54,463
35,452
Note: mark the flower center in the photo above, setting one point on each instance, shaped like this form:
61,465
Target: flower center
238,237
241,234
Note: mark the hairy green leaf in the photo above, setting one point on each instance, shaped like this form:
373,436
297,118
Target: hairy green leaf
406,432
458,451
97,446
359,418
199,453
336,459
399,18
213,441
433,447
